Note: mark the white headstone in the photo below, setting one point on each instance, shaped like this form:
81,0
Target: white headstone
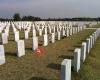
7,32
26,34
45,30
20,48
35,43
88,45
76,61
63,33
91,43
16,36
93,38
4,38
40,32
34,33
59,35
83,51
71,31
52,37
2,55
45,40
66,69
67,32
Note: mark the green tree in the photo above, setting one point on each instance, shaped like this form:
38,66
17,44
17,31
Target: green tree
30,18
16,17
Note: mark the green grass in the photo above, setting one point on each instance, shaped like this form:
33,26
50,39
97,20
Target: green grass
94,26
91,67
47,67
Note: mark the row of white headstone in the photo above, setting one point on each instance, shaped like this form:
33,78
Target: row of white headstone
51,27
60,30
40,24
79,55
53,35
21,45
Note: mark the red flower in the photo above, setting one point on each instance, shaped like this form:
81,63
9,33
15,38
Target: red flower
39,52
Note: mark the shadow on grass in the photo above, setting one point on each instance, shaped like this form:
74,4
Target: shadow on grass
22,38
11,54
66,57
83,40
71,50
54,66
40,44
28,48
38,78
63,37
50,41
77,46
11,40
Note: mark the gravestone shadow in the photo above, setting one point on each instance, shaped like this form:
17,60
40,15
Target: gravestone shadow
66,57
54,66
40,78
37,78
77,46
11,54
83,40
11,40
40,44
71,50
63,37
28,48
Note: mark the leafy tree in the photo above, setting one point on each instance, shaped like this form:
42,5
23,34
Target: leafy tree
30,18
16,17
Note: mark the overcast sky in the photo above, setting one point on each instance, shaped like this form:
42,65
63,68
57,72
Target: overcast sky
50,8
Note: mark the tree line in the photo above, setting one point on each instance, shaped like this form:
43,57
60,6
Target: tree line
17,17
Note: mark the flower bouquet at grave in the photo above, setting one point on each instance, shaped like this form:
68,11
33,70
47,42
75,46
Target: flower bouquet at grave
39,52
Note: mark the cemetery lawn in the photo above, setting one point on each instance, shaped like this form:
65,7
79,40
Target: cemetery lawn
94,26
47,67
90,69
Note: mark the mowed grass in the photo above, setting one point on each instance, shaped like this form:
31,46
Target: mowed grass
47,67
90,69
94,26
